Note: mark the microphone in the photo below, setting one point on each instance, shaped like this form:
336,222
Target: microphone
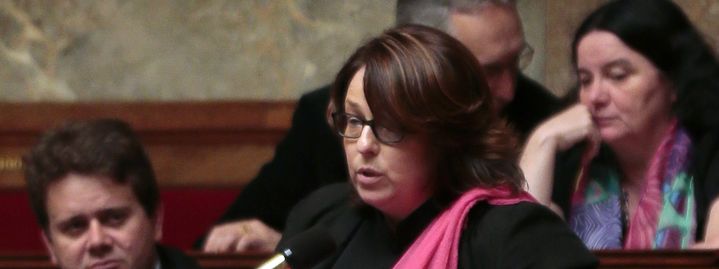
303,250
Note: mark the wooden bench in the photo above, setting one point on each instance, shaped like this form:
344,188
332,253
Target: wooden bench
706,259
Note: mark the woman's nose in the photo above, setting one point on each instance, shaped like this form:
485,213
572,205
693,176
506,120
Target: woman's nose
367,143
597,93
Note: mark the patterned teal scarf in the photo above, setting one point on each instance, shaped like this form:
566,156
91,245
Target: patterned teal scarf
665,216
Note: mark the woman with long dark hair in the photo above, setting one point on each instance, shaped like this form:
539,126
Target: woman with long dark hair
644,170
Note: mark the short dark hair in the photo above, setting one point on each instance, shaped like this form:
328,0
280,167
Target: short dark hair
421,80
102,147
661,32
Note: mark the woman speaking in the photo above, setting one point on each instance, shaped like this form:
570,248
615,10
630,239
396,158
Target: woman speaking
434,181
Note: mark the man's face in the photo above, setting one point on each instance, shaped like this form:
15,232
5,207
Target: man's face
494,35
95,222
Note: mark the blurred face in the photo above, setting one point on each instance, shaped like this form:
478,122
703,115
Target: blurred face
494,35
627,96
97,223
396,178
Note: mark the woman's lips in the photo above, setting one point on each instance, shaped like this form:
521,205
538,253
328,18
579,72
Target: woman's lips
602,121
368,176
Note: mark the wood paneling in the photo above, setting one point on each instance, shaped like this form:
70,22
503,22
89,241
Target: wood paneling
636,259
189,143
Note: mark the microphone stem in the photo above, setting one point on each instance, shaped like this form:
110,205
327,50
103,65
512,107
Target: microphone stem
274,263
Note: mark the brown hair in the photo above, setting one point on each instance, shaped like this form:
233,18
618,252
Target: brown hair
105,147
418,79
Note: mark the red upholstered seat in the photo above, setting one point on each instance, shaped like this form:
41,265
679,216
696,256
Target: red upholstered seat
19,231
189,212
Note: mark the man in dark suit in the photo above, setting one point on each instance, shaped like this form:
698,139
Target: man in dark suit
94,194
311,155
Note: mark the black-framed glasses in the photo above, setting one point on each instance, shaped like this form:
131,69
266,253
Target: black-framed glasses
351,126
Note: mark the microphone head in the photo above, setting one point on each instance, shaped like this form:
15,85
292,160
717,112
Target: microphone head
306,249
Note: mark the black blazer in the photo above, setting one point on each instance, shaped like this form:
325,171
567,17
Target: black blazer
308,157
524,235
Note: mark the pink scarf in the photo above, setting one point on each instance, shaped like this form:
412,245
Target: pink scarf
438,245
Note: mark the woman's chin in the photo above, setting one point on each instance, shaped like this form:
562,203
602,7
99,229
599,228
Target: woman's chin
375,198
610,135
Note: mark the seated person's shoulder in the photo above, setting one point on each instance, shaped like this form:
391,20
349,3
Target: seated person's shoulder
498,235
503,221
321,206
315,100
326,197
321,94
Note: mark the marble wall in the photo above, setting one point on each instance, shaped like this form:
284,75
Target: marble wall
169,50
178,49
